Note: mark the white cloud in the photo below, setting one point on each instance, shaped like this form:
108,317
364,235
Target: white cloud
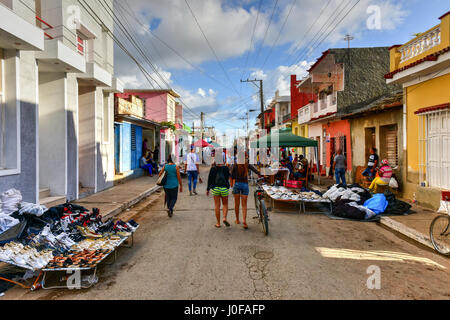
201,92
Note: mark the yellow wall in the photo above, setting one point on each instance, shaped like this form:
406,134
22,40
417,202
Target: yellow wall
425,94
300,130
445,42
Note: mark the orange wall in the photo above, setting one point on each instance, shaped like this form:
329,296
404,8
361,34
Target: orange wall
336,129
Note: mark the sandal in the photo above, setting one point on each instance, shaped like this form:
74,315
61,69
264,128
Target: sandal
238,222
245,226
218,226
225,222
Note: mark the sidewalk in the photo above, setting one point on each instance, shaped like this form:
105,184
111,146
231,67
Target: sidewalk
415,226
113,201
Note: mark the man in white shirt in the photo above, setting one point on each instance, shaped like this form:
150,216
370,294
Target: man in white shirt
192,168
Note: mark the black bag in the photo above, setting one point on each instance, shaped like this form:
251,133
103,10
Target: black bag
220,178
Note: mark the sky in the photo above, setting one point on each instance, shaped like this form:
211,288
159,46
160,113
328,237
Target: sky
203,48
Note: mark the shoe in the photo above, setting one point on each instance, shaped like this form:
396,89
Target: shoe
170,213
195,192
190,193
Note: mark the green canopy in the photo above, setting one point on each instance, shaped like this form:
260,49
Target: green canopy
286,139
215,145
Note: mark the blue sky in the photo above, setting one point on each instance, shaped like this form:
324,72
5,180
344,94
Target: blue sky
228,26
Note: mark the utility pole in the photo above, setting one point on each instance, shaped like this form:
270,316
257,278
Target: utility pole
261,96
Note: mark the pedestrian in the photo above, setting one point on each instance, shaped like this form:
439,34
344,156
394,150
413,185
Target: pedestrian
384,175
172,183
340,167
156,156
219,185
193,169
241,190
372,164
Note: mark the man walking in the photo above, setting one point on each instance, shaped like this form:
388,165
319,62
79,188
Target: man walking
192,168
340,167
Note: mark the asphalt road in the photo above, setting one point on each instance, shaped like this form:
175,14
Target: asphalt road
304,257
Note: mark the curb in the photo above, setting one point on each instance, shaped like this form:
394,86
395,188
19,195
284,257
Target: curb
131,203
406,231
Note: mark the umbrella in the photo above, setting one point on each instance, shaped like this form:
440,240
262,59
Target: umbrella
201,144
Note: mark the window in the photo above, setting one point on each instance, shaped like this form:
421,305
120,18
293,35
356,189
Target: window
133,139
106,119
434,148
80,45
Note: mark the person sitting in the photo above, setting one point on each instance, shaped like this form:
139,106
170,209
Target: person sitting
372,165
384,175
153,163
146,166
302,168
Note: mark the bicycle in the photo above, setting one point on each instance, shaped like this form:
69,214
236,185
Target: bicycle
440,231
261,209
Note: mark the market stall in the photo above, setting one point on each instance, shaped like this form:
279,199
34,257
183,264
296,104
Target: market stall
65,238
285,139
282,194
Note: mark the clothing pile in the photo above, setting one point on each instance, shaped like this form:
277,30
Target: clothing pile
349,202
353,193
395,206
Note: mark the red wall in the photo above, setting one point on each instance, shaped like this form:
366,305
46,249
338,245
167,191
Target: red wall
298,99
337,129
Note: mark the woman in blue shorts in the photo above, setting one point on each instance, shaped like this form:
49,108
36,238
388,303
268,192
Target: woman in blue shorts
239,182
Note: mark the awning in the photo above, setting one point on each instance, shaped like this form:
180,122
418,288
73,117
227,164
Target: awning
138,121
286,139
202,144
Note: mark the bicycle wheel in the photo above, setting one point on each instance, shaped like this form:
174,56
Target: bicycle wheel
264,218
256,202
440,234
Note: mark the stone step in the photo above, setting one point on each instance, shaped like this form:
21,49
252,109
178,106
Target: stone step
44,193
53,201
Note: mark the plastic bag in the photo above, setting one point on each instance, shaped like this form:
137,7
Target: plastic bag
377,203
7,222
393,183
10,200
33,209
445,207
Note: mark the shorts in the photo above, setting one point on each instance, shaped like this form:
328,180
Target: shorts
241,188
220,192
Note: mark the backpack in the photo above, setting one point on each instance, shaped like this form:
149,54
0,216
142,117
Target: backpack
220,178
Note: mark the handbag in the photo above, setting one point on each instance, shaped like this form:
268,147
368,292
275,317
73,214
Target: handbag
162,179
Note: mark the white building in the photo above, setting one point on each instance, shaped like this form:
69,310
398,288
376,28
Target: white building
282,106
63,103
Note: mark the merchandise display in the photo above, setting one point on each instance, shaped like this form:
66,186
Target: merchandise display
63,237
282,193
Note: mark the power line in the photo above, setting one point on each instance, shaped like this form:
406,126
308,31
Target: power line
279,34
251,41
210,46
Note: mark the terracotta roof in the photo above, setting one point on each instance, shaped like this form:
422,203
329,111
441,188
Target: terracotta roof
431,57
433,108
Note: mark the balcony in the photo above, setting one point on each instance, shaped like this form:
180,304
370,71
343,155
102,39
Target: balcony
17,33
420,45
304,114
324,106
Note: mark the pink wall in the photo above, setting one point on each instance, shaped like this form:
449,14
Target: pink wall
337,129
155,105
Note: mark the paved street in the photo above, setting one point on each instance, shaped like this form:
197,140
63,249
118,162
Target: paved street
305,257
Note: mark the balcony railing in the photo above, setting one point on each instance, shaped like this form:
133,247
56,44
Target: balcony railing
48,27
421,44
287,117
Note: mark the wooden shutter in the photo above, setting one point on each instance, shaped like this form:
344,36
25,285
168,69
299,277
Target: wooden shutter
392,147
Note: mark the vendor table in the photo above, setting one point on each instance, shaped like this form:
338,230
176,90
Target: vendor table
302,203
270,174
92,279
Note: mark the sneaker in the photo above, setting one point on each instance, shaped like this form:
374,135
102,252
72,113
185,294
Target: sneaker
195,192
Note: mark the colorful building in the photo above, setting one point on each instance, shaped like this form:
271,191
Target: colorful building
422,67
130,130
160,106
340,82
